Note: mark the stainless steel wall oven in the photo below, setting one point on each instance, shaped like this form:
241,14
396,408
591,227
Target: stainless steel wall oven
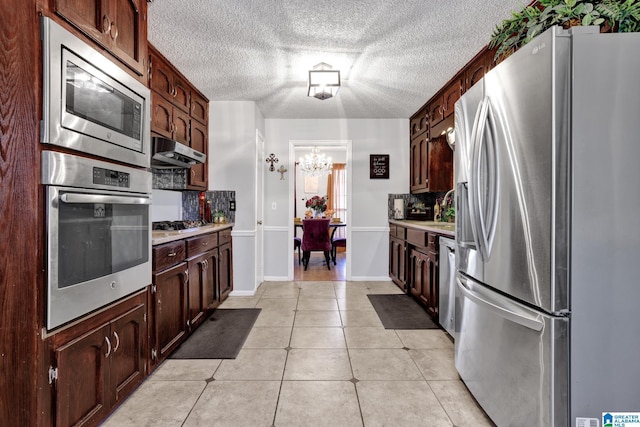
98,234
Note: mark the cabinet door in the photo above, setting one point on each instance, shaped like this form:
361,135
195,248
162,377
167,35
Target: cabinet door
397,262
451,95
225,274
160,76
128,33
436,111
181,94
203,274
83,370
170,309
181,126
210,286
418,167
478,68
199,108
129,340
440,168
419,123
161,116
89,16
430,288
198,178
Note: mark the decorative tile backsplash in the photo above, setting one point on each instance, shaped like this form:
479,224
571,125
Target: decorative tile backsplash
428,199
169,179
219,200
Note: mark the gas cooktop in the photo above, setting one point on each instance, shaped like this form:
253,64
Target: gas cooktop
177,225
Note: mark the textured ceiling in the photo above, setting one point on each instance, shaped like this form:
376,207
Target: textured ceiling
392,55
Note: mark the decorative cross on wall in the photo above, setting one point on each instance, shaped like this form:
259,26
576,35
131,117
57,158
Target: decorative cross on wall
282,170
272,159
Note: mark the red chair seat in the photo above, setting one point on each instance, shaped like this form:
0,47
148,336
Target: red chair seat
315,237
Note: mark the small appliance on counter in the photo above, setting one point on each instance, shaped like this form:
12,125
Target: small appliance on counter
418,212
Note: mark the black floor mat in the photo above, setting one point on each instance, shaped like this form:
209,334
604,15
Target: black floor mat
220,336
400,311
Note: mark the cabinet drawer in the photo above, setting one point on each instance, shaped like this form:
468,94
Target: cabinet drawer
392,230
201,244
432,242
168,254
400,232
417,237
224,236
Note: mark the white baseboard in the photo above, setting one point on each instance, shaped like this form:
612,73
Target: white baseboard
276,279
242,293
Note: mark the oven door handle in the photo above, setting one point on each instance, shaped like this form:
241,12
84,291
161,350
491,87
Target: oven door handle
101,198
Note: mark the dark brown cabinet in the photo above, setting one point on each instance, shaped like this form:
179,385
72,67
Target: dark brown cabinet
99,362
439,165
203,287
419,156
169,121
478,67
120,26
419,123
451,95
198,174
165,81
170,310
179,112
397,256
226,270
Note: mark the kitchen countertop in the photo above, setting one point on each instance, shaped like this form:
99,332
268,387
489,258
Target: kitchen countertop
444,228
161,236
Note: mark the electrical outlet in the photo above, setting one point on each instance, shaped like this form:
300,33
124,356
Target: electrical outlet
274,206
232,205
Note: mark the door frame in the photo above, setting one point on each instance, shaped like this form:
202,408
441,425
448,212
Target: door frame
297,144
259,210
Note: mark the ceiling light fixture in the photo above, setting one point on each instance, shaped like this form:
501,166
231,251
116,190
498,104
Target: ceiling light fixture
324,82
315,163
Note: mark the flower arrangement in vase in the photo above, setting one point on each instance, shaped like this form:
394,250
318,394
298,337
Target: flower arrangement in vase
317,204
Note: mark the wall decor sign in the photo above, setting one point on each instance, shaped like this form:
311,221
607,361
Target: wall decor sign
378,166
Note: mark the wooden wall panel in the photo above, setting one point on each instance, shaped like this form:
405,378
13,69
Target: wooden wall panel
20,213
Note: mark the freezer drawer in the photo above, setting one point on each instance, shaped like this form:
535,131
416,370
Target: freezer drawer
512,358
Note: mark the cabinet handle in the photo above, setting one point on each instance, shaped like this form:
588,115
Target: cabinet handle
113,36
108,346
193,173
172,127
205,243
106,24
186,274
172,254
115,334
175,91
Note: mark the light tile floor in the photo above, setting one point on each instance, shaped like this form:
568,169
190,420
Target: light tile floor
317,356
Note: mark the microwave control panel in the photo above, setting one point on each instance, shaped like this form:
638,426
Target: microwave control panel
110,177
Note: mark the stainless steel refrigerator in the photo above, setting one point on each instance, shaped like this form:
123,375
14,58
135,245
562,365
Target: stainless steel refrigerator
547,170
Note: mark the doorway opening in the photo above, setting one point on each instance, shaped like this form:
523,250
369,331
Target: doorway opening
337,187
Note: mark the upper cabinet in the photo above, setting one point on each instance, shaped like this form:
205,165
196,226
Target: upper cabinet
179,112
120,26
431,158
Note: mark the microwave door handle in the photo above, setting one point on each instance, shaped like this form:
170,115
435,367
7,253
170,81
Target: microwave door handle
101,198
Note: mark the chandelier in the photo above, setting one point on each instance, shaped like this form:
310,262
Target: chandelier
315,163
324,82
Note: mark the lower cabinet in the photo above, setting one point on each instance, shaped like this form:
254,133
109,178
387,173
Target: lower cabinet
99,362
169,294
397,262
413,264
225,275
423,279
203,286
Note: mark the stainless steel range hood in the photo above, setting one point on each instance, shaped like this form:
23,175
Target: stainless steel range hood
168,153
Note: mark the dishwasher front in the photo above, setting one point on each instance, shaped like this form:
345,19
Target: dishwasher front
447,299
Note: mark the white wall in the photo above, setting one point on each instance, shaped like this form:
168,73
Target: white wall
368,219
232,151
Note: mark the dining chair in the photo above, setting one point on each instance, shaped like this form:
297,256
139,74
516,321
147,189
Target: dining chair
297,244
338,242
315,237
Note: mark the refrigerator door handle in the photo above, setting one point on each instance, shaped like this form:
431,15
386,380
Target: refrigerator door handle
500,305
472,185
484,226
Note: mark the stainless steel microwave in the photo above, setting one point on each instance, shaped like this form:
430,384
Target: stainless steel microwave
90,104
